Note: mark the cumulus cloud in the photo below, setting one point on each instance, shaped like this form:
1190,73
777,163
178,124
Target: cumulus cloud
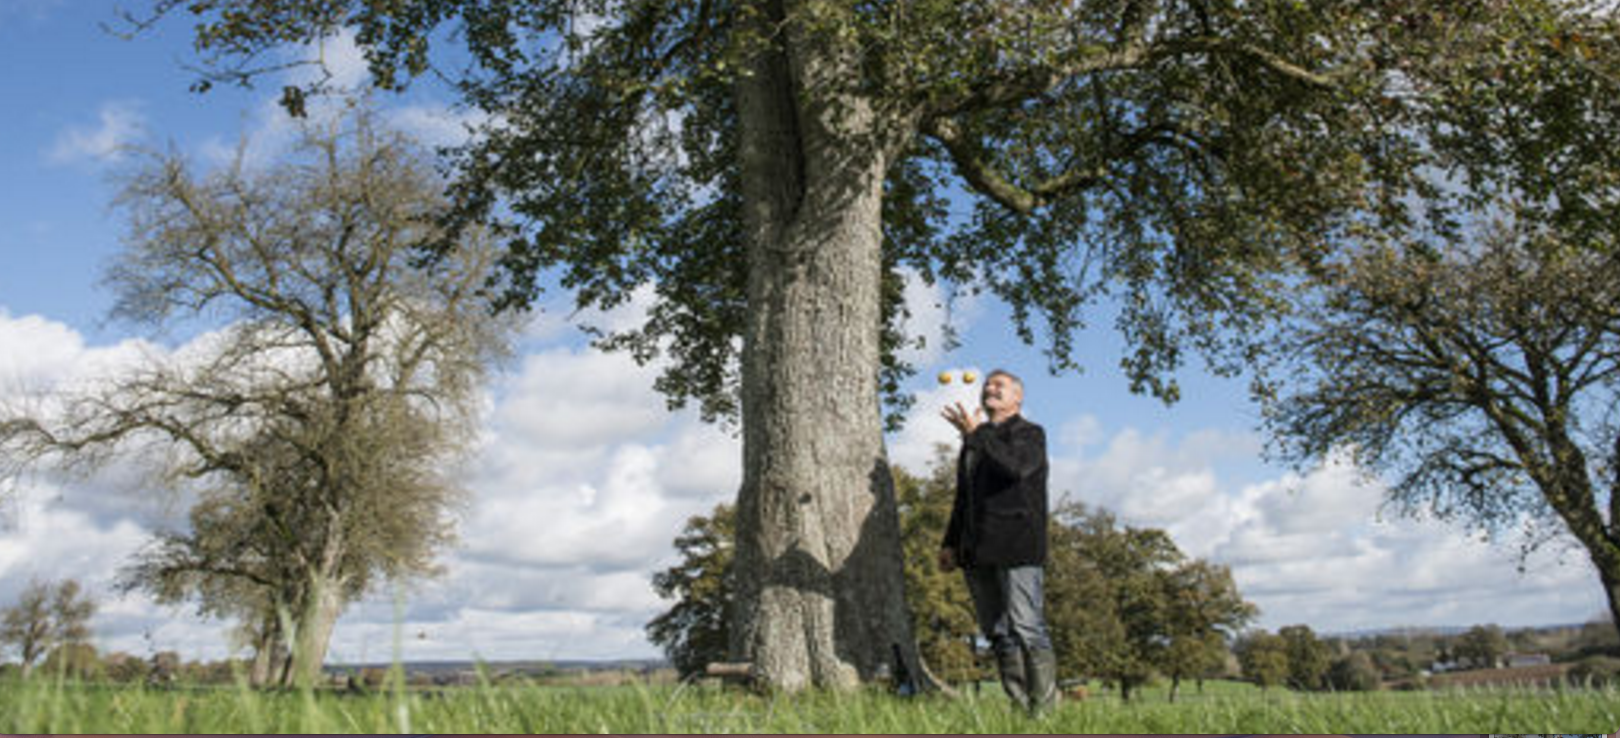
932,312
1146,478
118,126
1313,548
437,125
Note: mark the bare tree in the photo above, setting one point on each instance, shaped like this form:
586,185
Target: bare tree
319,425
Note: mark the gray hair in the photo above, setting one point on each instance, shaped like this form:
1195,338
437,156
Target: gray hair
1007,374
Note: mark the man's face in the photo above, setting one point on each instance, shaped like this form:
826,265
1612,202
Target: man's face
1001,394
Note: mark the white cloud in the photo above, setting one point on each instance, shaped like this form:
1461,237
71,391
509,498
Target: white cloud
581,486
1146,479
119,125
39,350
931,311
563,399
701,462
1312,548
437,125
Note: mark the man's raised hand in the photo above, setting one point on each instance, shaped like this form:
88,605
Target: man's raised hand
964,421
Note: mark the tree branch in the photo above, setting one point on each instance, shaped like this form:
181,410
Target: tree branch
974,166
1267,59
1015,87
1021,85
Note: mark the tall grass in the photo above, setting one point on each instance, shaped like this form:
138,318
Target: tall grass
46,706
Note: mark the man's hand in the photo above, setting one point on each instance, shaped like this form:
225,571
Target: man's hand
964,421
947,560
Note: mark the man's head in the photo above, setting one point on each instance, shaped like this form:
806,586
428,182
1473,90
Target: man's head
1003,394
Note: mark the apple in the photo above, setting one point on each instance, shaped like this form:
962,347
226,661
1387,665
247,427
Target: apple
944,377
968,377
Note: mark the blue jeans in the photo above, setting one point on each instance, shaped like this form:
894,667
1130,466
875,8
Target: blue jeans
1010,604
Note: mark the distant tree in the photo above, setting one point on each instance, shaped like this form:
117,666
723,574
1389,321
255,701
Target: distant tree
74,660
1126,568
1599,636
1125,604
1308,657
1264,658
26,626
1393,663
45,618
1594,672
693,632
320,424
1482,646
1354,672
124,668
1081,611
1206,611
164,667
373,678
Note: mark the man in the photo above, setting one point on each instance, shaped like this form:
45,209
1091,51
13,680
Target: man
997,536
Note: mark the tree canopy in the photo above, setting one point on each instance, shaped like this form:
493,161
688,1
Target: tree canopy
1181,157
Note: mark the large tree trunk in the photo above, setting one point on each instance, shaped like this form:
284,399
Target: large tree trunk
1611,587
1566,484
314,632
264,645
819,567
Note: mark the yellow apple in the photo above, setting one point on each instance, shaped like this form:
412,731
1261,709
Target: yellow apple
944,377
968,377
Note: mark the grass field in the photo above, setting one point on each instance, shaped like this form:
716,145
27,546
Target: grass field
43,706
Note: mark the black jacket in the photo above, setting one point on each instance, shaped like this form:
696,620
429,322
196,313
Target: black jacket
999,518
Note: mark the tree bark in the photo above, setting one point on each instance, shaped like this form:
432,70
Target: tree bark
818,569
263,651
315,626
1567,486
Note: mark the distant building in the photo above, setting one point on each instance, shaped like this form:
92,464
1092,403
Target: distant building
1441,667
1522,660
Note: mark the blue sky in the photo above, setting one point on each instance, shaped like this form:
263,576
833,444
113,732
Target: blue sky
556,555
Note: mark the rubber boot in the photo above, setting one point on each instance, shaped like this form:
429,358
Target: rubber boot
1014,671
1042,681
